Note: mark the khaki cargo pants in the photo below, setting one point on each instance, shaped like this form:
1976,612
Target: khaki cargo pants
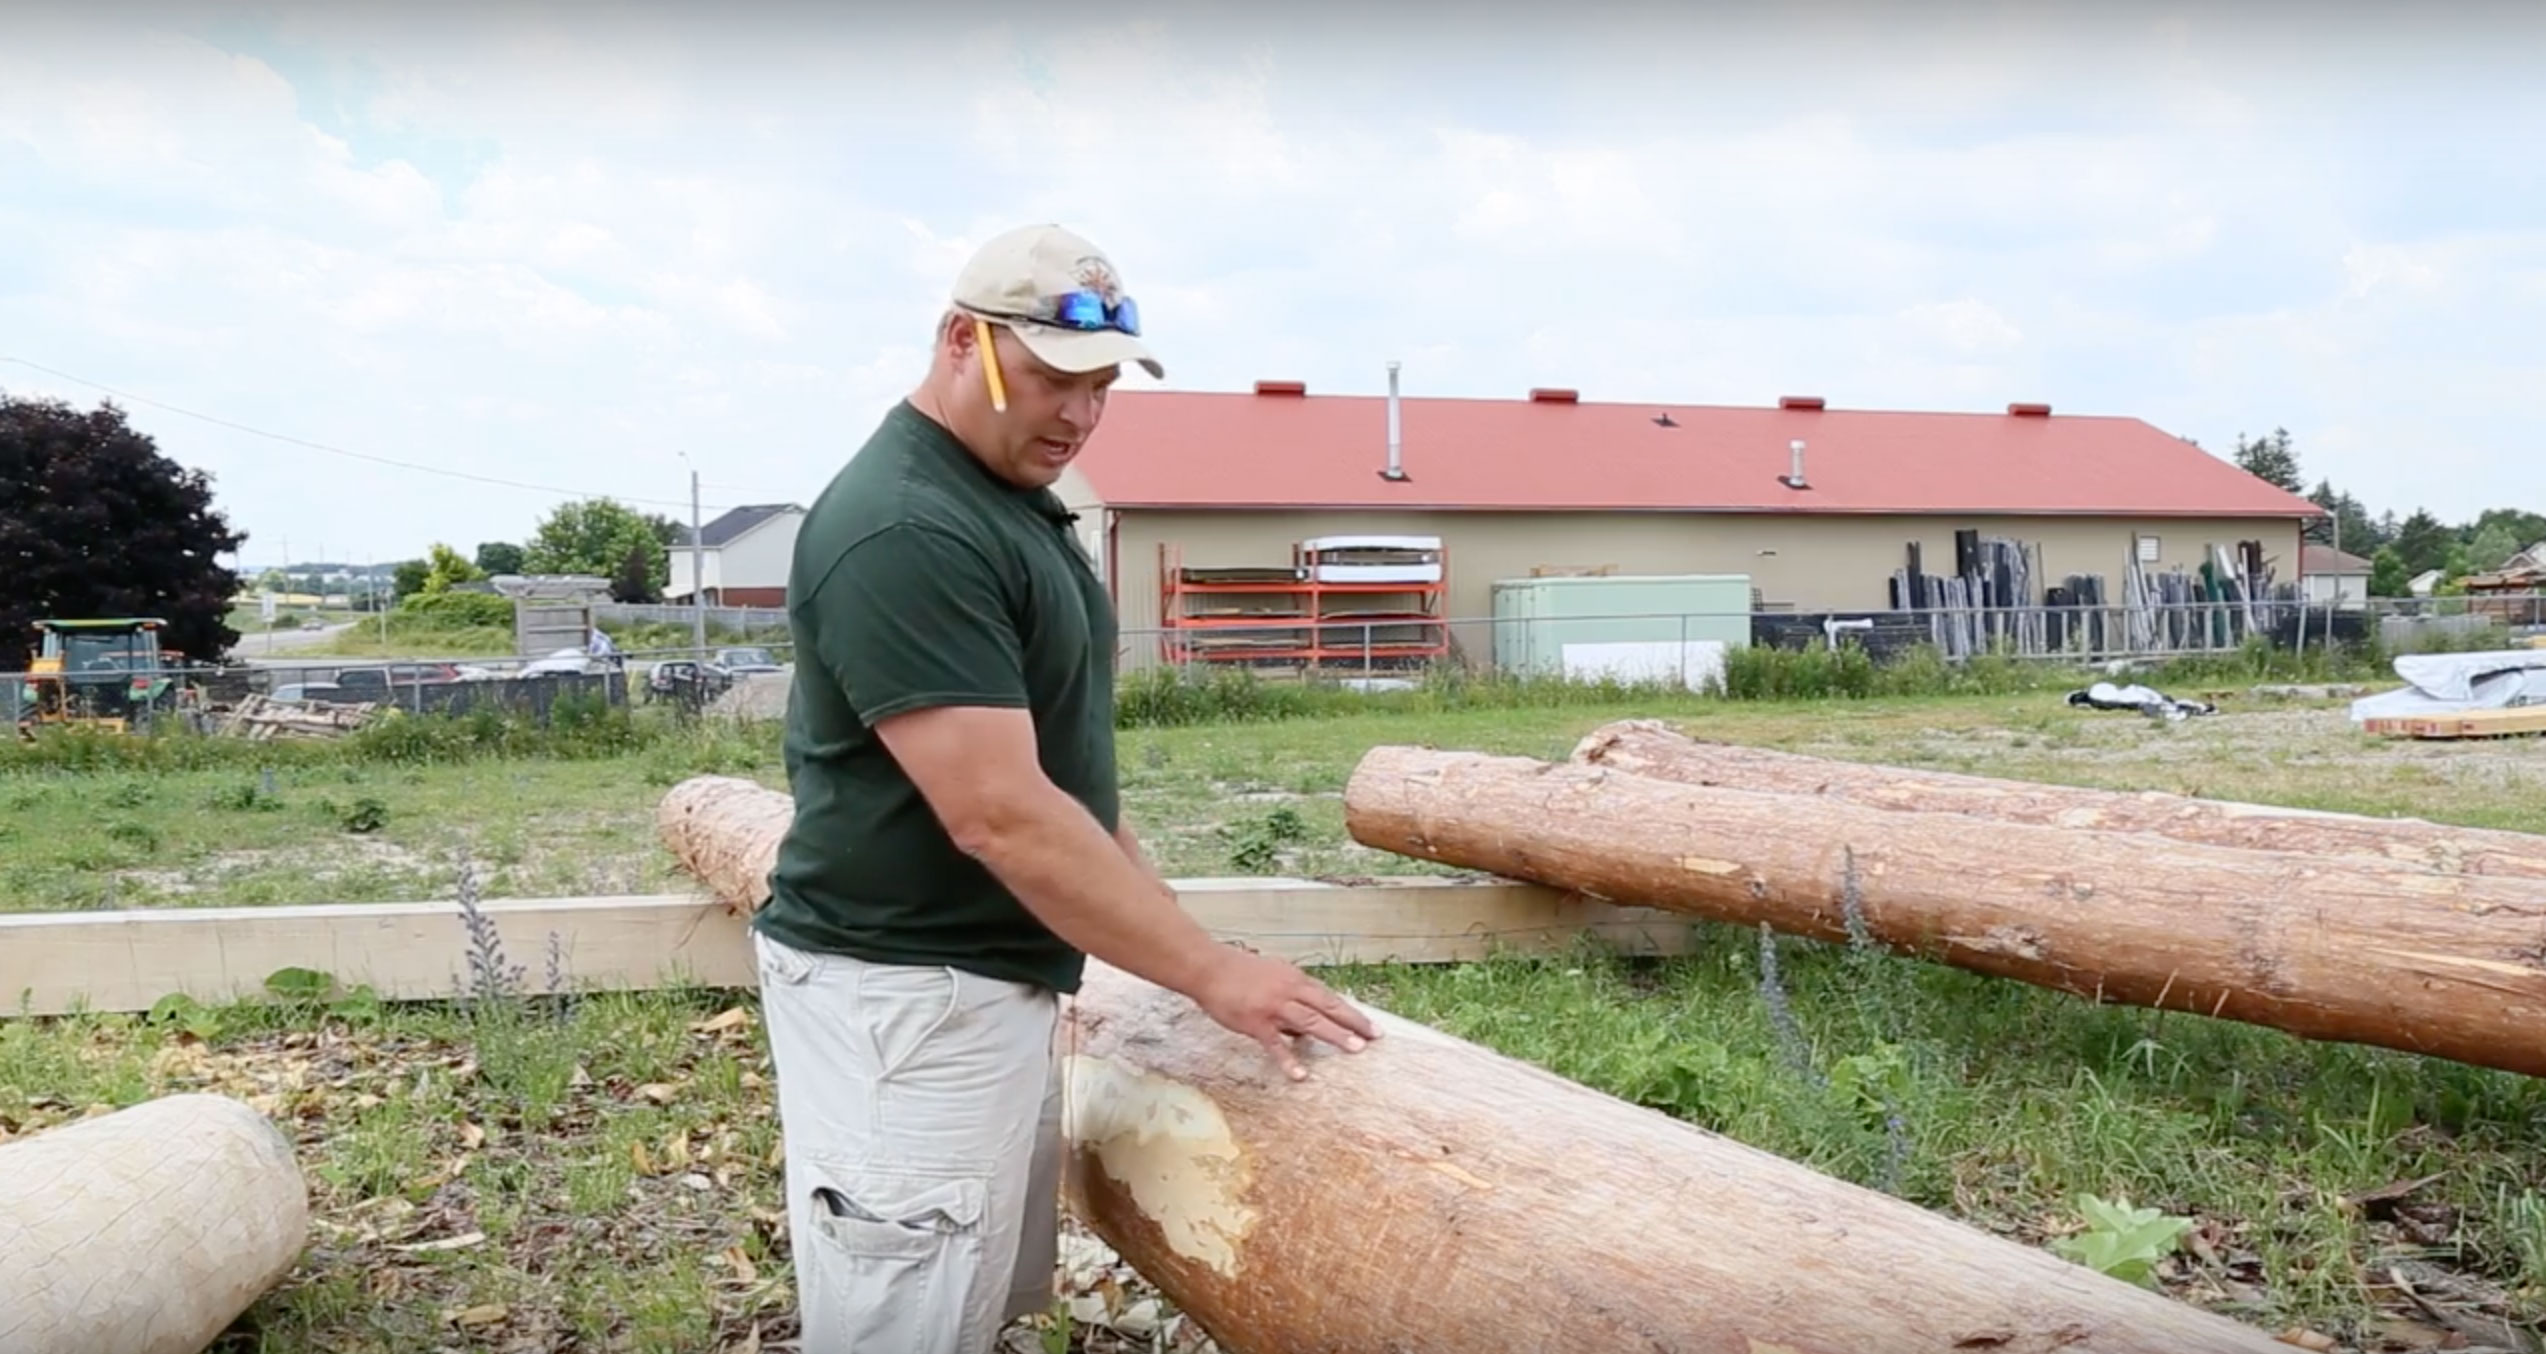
920,1108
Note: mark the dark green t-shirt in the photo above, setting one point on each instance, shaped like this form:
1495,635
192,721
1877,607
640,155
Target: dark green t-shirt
921,579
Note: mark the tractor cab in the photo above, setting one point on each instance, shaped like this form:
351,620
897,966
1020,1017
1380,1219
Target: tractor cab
97,673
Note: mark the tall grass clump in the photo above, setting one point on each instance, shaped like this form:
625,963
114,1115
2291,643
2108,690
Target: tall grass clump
1173,697
578,728
1819,671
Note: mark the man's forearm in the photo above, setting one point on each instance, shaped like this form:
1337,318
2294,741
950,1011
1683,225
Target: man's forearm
1096,892
1130,842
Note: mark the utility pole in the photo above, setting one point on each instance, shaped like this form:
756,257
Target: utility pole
698,579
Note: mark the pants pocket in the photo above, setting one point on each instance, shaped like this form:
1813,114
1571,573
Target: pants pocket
897,1265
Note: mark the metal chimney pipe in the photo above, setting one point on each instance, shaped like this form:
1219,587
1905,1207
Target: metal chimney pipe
1794,472
1396,449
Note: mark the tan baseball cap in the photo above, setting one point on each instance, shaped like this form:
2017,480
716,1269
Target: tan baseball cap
1060,295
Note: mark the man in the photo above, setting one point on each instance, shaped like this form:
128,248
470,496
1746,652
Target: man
957,847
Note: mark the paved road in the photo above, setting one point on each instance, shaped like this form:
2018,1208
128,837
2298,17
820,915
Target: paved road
285,646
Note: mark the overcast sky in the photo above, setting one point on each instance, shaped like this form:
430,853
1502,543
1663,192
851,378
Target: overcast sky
563,247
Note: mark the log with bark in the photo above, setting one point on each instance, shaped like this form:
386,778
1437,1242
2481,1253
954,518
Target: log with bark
2337,948
1647,747
1431,1196
150,1230
725,831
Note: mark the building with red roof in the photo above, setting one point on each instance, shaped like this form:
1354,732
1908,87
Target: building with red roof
1202,505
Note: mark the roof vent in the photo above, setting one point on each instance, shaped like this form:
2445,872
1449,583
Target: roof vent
1554,395
2030,410
1396,433
1793,478
1799,402
1281,387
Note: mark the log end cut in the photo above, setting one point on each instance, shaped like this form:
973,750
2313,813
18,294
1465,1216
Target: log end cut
725,831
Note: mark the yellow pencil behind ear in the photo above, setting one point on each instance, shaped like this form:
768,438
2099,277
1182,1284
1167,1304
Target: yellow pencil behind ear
990,365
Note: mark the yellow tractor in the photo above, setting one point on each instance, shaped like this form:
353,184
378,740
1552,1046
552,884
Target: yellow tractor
110,675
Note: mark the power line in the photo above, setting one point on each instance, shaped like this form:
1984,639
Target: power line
356,455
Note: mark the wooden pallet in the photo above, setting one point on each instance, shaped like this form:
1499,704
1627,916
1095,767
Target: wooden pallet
2516,722
262,720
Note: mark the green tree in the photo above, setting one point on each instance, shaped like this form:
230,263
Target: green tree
95,521
2270,459
2347,522
407,579
2388,576
2422,543
633,583
2527,528
593,537
2492,547
499,557
445,568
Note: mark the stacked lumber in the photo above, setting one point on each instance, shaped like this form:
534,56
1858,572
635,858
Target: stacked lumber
2183,907
261,719
2517,721
1429,1194
146,1231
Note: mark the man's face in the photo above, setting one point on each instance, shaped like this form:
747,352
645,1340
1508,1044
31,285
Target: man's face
1051,413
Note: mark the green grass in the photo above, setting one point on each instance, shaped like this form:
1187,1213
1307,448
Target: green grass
1983,1099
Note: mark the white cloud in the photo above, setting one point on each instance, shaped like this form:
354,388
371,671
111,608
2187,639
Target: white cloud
568,250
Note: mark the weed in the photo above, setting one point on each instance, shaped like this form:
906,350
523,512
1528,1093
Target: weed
2122,1241
1255,846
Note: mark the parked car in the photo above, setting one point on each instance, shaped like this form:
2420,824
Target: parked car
686,680
744,659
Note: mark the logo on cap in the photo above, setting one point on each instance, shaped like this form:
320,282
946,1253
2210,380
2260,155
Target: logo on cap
1097,275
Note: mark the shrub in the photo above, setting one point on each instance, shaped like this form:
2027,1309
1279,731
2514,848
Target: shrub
453,611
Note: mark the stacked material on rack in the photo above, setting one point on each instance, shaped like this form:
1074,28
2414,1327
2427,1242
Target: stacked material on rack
1373,559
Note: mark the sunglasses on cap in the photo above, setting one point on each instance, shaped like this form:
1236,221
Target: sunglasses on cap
1085,311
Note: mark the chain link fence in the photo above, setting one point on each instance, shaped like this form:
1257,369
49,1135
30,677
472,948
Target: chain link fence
1656,643
316,689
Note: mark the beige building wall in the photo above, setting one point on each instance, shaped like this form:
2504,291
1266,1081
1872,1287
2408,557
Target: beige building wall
1801,563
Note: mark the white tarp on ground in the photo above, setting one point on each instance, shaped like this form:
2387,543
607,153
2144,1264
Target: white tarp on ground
2438,683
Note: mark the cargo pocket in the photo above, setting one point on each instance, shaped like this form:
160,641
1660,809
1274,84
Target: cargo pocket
899,1261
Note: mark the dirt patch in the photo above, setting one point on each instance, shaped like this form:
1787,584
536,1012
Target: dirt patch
323,863
2316,736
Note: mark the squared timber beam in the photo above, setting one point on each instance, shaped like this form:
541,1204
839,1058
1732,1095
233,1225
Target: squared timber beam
53,963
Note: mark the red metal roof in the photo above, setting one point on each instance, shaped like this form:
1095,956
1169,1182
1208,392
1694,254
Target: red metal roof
1284,448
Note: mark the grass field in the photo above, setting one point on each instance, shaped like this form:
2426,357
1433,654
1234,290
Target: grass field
597,1172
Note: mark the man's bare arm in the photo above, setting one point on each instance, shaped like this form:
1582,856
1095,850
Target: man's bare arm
977,768
1130,842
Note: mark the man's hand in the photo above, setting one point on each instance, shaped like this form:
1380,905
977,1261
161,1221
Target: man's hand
1271,1001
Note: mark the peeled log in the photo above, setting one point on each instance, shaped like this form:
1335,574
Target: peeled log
2324,947
147,1231
726,831
1646,747
1429,1195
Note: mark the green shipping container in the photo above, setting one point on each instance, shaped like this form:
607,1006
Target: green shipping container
1637,626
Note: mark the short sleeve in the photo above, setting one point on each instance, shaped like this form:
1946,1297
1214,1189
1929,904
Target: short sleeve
913,617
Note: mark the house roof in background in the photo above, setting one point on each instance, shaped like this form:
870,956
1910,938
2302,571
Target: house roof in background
1280,447
2325,559
735,523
